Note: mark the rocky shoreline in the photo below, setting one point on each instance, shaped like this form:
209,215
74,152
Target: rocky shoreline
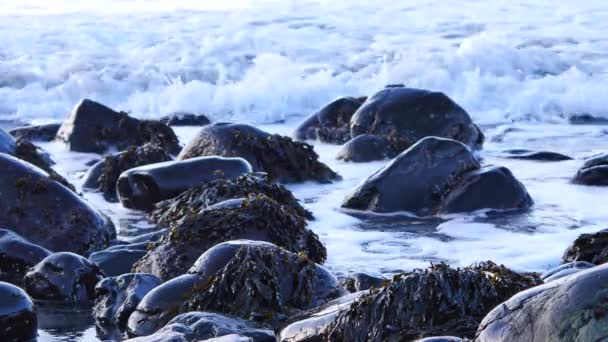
232,257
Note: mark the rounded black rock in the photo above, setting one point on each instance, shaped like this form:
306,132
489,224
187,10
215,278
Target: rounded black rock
593,172
406,115
144,186
161,304
104,175
416,180
283,159
366,148
18,319
331,123
17,255
47,213
93,127
471,193
63,277
119,259
116,298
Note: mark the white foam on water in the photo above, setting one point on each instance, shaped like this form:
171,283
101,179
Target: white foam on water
264,61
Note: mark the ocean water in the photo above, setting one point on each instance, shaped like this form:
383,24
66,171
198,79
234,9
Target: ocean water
518,64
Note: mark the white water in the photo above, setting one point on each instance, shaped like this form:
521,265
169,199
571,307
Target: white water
264,61
532,62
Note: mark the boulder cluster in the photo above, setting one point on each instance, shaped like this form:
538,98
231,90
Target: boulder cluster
233,258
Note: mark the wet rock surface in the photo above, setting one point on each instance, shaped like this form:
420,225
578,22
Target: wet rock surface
103,176
259,281
472,193
171,212
162,304
535,155
18,319
93,127
405,115
438,176
592,248
331,123
185,119
45,132
565,270
569,309
17,255
366,148
142,187
119,259
117,297
47,213
63,277
282,158
258,217
433,302
593,172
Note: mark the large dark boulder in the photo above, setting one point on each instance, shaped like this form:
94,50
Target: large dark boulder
93,127
185,119
104,175
170,213
17,255
490,187
257,217
593,172
116,298
437,176
45,132
144,186
592,248
63,277
433,302
18,319
283,159
568,309
366,148
331,123
405,115
47,213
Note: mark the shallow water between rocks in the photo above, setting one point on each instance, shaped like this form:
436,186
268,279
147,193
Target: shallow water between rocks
389,244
